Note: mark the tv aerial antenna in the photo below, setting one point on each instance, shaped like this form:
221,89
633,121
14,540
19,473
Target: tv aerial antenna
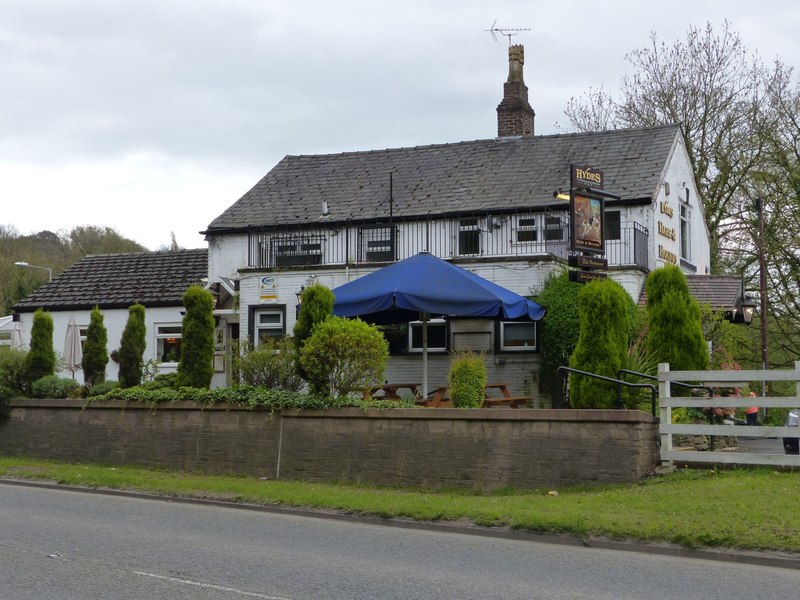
508,32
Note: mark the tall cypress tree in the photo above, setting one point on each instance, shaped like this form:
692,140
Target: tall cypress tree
41,359
675,327
132,348
316,306
95,350
197,344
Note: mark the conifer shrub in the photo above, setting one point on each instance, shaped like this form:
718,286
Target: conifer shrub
560,327
197,344
316,305
675,329
467,379
95,350
132,346
343,356
41,358
603,310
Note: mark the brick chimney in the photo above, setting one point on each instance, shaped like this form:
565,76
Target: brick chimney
514,114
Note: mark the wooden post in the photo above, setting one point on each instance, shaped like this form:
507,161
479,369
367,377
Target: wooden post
664,413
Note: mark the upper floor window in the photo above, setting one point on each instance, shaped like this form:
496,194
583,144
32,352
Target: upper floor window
553,228
613,229
527,228
469,236
168,342
686,232
377,244
292,251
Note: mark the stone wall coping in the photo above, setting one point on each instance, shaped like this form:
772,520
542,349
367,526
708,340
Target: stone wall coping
476,414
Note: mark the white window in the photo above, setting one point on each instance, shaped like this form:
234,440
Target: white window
517,336
377,244
527,229
297,250
268,325
686,232
168,343
437,336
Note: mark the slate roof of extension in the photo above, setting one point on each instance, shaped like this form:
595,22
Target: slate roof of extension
720,292
502,173
119,280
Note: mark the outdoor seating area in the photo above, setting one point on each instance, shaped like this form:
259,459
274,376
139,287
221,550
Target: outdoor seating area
495,395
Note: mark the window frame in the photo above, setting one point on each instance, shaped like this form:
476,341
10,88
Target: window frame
308,250
417,325
501,347
387,242
253,329
161,351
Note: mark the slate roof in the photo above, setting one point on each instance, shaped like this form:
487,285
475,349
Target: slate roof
502,173
119,280
720,292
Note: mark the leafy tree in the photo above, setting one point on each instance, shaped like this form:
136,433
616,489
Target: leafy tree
603,310
132,347
316,305
344,356
720,94
41,358
197,346
95,350
560,326
675,330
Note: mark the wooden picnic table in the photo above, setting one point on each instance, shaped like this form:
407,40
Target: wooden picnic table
506,398
438,398
391,391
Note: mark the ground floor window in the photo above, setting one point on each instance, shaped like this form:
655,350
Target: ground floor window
168,343
437,336
267,324
517,336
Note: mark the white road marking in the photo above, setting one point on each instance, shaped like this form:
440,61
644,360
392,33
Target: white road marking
209,586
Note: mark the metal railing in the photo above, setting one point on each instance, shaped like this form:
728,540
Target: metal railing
507,234
562,393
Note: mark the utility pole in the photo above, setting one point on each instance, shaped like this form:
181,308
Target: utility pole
762,267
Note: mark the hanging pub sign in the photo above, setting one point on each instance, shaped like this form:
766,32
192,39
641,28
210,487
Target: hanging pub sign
586,209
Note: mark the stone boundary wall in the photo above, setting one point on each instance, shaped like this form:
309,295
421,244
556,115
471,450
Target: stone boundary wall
478,448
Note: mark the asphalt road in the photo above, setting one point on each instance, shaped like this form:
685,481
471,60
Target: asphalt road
70,545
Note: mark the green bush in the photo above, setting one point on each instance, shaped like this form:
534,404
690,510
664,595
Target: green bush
53,386
98,389
12,370
95,350
344,356
197,346
164,381
603,308
132,346
271,365
41,358
467,379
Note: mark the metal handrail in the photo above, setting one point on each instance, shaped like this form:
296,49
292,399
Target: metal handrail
619,383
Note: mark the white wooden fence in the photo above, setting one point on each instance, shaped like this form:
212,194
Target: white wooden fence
726,379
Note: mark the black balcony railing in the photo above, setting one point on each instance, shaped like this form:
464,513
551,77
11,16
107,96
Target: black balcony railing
486,235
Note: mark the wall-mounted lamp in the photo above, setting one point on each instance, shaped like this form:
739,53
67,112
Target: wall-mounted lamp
299,294
745,311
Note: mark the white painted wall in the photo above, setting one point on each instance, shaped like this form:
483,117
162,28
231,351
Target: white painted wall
114,321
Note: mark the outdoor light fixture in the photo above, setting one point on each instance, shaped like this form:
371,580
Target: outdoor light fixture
21,263
745,311
299,294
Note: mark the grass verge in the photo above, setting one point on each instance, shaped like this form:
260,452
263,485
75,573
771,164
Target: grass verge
746,509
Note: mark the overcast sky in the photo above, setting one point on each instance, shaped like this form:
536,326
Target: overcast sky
153,117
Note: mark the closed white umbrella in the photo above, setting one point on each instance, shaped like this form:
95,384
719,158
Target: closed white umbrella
16,336
73,353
